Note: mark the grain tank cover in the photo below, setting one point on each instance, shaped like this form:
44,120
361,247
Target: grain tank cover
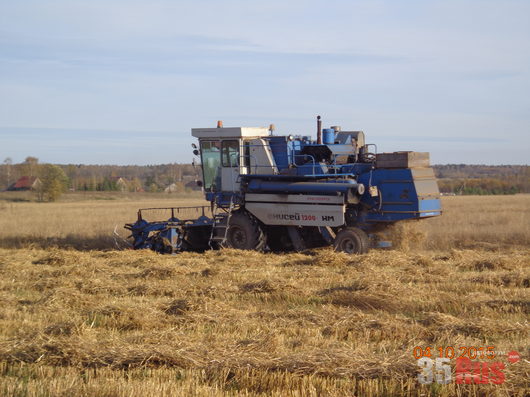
230,132
351,137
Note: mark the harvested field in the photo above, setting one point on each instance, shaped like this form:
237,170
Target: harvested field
88,222
76,222
228,323
479,222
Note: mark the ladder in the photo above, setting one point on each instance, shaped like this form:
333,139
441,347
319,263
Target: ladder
221,223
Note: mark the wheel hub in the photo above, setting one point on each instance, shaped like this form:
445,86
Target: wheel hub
238,237
348,245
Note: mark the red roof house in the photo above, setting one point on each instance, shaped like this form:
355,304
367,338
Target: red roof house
25,183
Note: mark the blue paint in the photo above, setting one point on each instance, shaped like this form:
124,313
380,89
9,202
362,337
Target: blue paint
324,187
328,136
280,151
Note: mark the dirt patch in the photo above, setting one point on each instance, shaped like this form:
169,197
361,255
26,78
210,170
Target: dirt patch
57,329
263,286
177,307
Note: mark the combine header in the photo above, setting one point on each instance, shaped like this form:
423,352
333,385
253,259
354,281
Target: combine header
272,192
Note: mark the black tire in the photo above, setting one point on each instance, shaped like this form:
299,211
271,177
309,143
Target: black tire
245,233
196,239
352,240
278,239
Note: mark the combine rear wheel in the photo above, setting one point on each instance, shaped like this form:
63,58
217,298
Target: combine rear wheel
245,233
352,240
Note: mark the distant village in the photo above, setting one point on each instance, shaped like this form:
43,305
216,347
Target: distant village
168,178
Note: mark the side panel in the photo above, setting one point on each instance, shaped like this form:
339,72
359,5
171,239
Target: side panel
403,194
230,179
425,183
297,214
293,198
261,158
280,148
431,207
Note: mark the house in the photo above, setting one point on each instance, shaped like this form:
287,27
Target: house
121,183
26,183
174,188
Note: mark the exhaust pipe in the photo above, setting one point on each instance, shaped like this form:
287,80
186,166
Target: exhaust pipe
319,131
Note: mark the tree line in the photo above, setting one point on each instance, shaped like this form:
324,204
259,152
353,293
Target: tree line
483,179
58,178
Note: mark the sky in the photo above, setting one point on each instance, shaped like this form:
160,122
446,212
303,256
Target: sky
124,81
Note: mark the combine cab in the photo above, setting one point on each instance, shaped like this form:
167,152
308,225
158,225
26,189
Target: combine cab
271,192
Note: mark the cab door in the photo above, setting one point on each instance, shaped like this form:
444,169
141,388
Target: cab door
230,165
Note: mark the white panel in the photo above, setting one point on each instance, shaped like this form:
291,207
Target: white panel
261,159
229,179
294,198
297,214
230,132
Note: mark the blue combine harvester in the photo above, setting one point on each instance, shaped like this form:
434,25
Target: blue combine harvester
272,192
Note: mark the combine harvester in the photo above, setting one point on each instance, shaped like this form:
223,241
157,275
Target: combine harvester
280,193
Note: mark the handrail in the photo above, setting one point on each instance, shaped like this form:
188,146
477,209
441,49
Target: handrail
305,155
199,209
253,168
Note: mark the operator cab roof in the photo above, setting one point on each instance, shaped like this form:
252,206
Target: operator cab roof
230,132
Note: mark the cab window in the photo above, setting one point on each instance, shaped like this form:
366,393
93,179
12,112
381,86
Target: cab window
211,160
230,153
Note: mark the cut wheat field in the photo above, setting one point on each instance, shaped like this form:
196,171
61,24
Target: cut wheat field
468,221
79,316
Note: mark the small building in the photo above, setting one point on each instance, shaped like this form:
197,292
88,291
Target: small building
25,183
174,188
121,183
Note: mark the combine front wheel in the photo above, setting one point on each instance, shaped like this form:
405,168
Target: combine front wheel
352,240
244,233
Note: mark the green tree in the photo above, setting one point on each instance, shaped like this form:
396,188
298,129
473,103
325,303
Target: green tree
135,185
54,183
153,188
71,173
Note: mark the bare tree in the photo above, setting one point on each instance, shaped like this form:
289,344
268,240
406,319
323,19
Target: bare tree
8,162
31,163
